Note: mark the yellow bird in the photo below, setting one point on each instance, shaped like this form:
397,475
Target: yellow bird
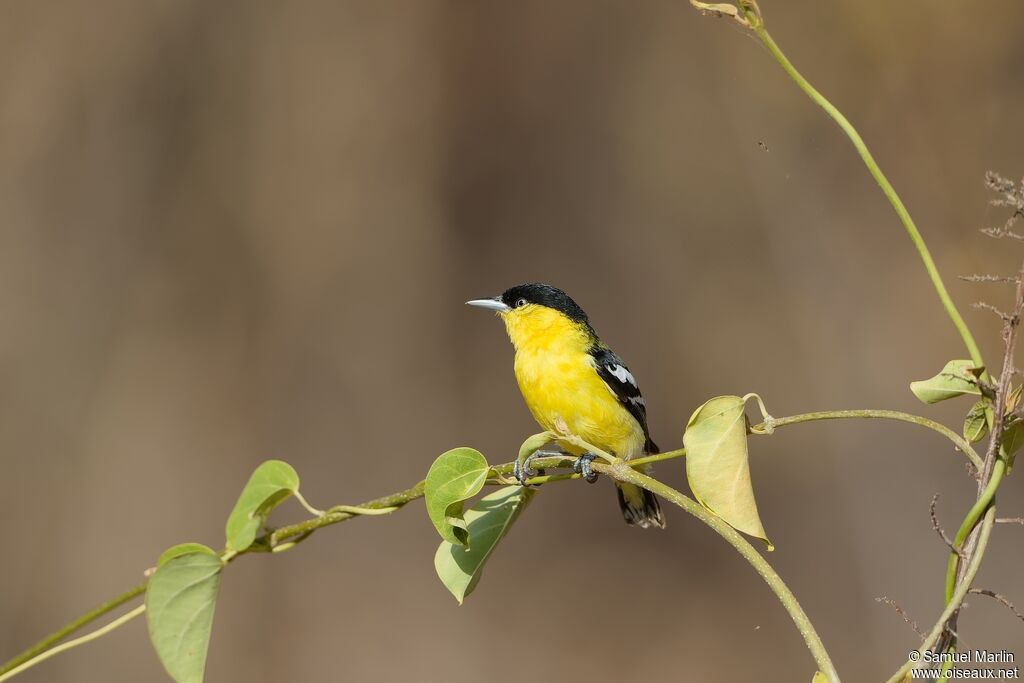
569,377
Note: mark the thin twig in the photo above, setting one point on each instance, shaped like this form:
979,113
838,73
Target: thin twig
1010,520
1013,193
900,611
942,625
1003,232
938,527
988,278
991,474
983,306
998,598
1012,197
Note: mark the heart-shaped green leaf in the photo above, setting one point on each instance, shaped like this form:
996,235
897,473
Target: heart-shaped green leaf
270,483
459,568
717,466
179,609
455,477
957,378
977,421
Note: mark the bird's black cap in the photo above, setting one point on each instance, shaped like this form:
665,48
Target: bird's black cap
544,295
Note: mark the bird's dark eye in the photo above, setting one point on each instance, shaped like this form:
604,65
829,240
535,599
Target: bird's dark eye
520,303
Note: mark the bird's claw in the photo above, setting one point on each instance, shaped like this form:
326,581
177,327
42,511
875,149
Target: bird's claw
523,472
582,467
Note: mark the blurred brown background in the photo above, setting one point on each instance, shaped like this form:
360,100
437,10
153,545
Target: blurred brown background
240,230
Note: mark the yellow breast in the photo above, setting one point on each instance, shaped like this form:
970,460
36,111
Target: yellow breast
560,382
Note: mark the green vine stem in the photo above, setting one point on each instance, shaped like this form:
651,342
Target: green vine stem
965,544
46,654
975,513
957,598
623,472
287,537
751,17
71,627
657,457
968,547
619,470
957,440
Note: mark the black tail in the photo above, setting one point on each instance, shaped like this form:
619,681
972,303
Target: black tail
639,506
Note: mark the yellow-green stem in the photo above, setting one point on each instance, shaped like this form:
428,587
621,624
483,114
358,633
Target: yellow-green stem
958,595
43,656
757,26
975,513
286,537
66,630
622,472
957,440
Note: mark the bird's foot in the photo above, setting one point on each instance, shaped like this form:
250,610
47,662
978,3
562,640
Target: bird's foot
582,467
524,472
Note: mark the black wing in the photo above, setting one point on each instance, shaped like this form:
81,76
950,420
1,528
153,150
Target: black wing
622,383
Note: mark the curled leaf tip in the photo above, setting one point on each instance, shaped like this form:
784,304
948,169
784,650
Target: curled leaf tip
957,378
455,477
270,484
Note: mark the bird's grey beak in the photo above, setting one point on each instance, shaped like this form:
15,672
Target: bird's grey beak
494,304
